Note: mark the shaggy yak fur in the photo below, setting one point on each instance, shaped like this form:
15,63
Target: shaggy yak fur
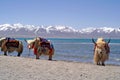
101,51
9,46
41,46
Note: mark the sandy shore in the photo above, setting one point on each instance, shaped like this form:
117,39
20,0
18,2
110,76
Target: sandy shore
19,68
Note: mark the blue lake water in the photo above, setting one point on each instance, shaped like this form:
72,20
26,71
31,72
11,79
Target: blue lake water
76,50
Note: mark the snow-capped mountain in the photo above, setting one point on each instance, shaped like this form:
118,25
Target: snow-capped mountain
19,30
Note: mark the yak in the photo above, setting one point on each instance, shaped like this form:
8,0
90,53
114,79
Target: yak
9,45
41,46
101,51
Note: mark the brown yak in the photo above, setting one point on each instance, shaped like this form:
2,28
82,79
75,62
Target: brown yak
101,51
41,46
10,44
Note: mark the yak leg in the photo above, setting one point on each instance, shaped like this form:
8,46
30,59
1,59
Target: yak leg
50,57
96,59
5,53
19,54
98,63
103,64
38,55
104,58
19,50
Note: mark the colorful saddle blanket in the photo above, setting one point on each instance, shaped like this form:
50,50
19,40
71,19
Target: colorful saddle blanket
43,40
44,43
11,42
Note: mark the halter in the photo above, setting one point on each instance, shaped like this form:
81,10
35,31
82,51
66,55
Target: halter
29,45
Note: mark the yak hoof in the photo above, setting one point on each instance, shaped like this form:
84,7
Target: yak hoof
18,55
5,54
98,63
37,58
50,59
103,64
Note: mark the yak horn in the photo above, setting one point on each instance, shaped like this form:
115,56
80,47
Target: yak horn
25,40
93,41
109,41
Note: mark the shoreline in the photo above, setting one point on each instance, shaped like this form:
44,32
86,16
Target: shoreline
20,68
74,61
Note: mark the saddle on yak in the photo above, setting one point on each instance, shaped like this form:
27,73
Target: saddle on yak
11,42
44,43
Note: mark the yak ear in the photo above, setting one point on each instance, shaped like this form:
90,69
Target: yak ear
93,41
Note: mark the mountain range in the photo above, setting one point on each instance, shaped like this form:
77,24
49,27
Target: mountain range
20,30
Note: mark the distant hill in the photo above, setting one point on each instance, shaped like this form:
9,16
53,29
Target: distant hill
19,30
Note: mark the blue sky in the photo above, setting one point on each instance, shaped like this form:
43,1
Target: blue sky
74,13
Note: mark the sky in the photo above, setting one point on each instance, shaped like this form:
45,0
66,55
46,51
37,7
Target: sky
73,13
